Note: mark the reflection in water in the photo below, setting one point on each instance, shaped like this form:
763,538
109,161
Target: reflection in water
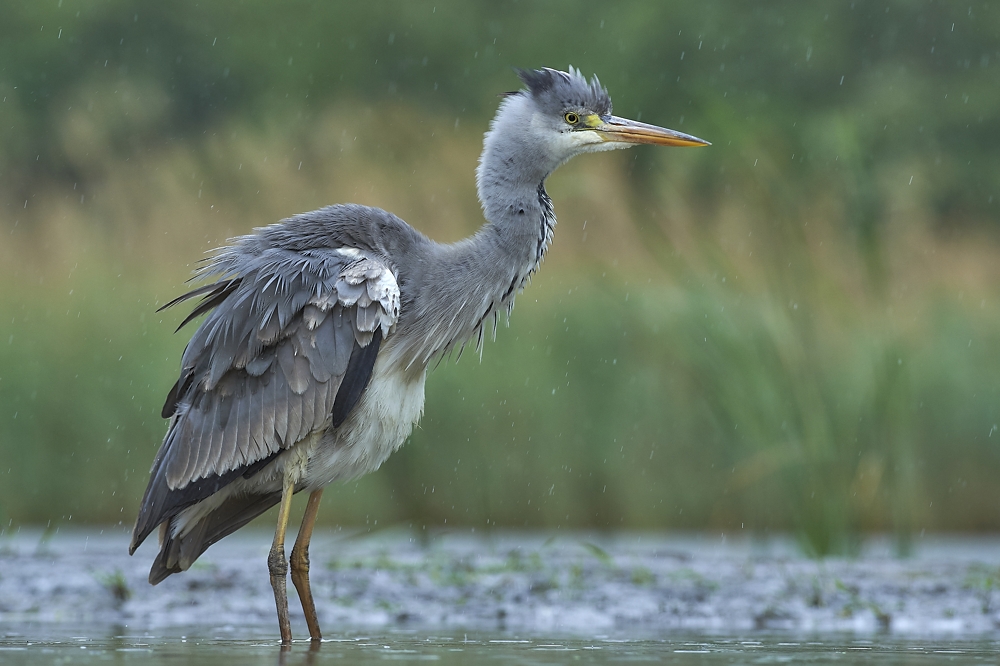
285,652
26,646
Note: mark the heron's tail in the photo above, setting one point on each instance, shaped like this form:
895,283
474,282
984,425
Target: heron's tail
179,551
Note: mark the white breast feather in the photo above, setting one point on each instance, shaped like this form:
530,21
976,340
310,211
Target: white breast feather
380,423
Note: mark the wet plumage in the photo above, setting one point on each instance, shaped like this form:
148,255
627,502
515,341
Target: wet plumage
310,363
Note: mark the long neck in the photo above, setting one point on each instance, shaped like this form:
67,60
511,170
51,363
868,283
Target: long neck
463,286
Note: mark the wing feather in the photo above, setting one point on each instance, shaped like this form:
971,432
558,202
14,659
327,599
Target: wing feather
280,410
261,363
269,439
320,348
294,419
242,406
204,429
216,437
343,347
214,298
227,415
309,346
193,429
266,366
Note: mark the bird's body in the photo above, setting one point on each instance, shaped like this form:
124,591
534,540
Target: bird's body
310,365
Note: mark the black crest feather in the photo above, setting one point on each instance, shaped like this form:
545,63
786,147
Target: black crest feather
565,90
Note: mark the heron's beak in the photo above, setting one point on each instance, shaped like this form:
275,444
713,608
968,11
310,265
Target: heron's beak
622,130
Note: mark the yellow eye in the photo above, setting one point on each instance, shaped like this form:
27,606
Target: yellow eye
572,118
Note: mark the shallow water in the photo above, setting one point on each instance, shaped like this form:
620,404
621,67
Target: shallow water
22,646
567,584
504,598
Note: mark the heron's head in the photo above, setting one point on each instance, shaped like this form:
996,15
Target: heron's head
557,116
569,115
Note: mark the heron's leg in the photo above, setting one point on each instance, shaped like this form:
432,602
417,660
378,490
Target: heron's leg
276,564
300,564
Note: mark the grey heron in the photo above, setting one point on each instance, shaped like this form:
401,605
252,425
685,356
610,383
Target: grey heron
310,364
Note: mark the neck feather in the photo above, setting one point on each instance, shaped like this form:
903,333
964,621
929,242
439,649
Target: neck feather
468,284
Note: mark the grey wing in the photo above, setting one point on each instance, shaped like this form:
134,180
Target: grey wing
286,351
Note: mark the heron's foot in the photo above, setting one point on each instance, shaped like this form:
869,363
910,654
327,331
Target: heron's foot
278,568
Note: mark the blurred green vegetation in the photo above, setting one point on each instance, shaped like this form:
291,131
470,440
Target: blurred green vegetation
796,329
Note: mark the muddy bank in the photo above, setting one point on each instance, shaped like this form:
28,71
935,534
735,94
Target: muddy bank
575,583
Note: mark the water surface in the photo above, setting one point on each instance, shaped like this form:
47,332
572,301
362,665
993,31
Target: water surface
27,645
77,597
